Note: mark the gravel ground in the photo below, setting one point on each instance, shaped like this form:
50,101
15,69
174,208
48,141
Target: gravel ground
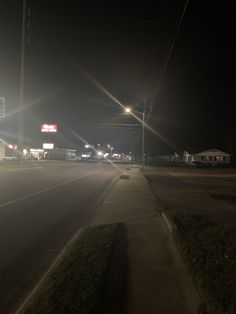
208,192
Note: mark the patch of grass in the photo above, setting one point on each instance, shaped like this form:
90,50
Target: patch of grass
210,252
124,177
77,283
225,197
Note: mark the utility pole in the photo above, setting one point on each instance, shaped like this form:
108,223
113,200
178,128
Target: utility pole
142,122
143,134
22,86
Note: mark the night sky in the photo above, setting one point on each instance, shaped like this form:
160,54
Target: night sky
122,45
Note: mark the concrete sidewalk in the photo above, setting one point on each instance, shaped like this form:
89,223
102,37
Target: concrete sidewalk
158,279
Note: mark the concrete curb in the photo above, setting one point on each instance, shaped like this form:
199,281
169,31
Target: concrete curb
99,203
171,226
167,222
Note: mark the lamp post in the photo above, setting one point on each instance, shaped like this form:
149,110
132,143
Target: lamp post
128,110
143,133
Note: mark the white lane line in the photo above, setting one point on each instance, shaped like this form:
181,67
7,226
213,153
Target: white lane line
45,190
21,169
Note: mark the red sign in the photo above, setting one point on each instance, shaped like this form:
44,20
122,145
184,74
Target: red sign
49,128
11,146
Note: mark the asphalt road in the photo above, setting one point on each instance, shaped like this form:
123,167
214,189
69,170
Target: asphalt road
40,209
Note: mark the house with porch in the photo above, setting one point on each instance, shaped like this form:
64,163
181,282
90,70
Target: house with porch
210,156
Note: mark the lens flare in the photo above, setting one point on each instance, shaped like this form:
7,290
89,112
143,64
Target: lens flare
108,93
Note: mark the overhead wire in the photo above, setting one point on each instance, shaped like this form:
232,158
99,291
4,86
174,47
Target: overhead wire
169,52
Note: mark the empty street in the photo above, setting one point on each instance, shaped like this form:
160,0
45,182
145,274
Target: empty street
40,209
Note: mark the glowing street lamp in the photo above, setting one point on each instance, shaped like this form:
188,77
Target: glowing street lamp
128,110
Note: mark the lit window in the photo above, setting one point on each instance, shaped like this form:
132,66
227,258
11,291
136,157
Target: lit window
219,158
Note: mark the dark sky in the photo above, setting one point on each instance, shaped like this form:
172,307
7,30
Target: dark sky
123,45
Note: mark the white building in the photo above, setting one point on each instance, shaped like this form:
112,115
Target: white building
210,156
2,150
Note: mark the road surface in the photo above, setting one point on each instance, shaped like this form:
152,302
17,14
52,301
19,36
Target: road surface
40,209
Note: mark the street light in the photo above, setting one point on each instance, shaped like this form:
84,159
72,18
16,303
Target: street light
130,111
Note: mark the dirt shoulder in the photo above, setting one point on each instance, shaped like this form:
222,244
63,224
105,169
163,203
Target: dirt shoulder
208,192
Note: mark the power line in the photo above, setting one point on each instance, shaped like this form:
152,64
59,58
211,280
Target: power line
169,52
171,46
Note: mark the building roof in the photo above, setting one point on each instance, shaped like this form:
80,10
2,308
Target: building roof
212,152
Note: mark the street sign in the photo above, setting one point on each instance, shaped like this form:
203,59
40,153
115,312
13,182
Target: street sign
48,128
2,107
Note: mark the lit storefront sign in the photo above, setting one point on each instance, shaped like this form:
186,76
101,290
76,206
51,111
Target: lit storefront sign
48,128
48,145
12,146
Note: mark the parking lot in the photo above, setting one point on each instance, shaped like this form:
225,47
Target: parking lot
209,192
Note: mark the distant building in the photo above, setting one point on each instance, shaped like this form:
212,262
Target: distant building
174,158
2,150
61,154
8,151
210,156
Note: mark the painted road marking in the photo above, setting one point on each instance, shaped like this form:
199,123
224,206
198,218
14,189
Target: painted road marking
20,169
50,188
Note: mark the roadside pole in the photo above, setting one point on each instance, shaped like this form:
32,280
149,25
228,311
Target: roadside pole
143,134
22,86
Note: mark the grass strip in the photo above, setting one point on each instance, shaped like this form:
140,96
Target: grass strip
124,177
77,283
210,252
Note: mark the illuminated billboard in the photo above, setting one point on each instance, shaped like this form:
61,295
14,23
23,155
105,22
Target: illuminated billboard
48,128
48,145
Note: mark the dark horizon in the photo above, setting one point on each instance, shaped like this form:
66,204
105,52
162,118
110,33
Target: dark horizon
124,48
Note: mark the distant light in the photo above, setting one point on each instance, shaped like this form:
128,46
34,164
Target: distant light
85,155
25,152
87,146
32,150
11,146
49,128
100,153
116,156
48,145
106,154
128,110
